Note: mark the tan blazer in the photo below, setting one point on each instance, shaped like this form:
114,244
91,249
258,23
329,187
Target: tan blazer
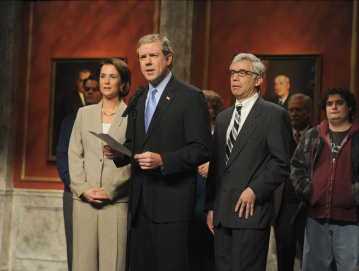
87,164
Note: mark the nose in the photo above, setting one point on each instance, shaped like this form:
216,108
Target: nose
235,77
148,61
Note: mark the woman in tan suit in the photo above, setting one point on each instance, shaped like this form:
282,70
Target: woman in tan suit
100,188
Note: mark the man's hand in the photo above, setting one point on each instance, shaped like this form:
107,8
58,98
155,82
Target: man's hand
111,153
210,221
72,191
149,160
95,195
203,170
246,200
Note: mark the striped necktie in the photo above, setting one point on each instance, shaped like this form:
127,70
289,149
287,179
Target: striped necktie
234,132
151,107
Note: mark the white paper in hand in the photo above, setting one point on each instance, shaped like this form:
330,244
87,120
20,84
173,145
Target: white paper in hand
112,143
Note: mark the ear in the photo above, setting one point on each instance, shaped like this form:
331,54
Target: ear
310,113
169,59
122,86
258,81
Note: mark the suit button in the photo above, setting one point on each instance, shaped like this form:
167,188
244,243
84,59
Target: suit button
100,160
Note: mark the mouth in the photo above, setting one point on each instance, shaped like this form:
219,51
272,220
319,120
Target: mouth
149,71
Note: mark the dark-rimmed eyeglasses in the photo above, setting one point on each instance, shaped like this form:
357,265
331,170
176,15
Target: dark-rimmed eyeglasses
241,73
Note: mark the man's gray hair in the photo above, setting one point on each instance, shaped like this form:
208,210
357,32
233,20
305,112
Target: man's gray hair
166,45
308,103
257,65
286,79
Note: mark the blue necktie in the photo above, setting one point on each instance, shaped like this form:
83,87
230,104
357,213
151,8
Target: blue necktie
150,109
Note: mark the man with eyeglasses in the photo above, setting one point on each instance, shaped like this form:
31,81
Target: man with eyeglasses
251,157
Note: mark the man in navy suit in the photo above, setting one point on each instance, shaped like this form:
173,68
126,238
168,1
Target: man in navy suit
173,137
250,159
92,95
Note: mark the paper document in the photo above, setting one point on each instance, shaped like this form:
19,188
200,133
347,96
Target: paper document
112,143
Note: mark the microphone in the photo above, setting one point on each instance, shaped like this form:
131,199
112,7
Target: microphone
133,101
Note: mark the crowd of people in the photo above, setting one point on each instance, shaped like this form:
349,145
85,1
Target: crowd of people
208,183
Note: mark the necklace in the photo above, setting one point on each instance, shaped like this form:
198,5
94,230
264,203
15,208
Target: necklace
113,113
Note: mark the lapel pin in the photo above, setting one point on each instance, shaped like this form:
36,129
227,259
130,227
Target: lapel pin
168,98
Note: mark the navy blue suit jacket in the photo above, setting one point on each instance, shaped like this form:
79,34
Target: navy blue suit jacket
62,148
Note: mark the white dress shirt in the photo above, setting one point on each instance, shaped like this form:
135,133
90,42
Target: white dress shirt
160,88
246,108
302,133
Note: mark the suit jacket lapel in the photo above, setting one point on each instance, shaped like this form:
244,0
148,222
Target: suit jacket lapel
247,129
167,97
115,125
222,133
140,125
96,120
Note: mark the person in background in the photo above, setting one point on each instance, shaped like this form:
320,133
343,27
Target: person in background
300,109
251,158
75,100
200,243
92,95
100,197
325,172
215,104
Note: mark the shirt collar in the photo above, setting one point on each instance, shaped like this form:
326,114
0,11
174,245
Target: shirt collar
161,86
302,133
247,104
284,99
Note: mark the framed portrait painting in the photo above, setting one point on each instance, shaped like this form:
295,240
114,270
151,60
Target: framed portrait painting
298,73
67,76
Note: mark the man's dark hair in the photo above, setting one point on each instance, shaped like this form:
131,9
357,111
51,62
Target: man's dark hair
345,94
91,77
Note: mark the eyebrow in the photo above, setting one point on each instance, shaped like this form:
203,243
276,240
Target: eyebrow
335,101
102,73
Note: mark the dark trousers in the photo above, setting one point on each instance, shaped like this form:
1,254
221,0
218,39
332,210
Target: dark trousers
241,249
286,236
67,207
158,246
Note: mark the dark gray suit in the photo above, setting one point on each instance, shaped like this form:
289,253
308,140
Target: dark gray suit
259,160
